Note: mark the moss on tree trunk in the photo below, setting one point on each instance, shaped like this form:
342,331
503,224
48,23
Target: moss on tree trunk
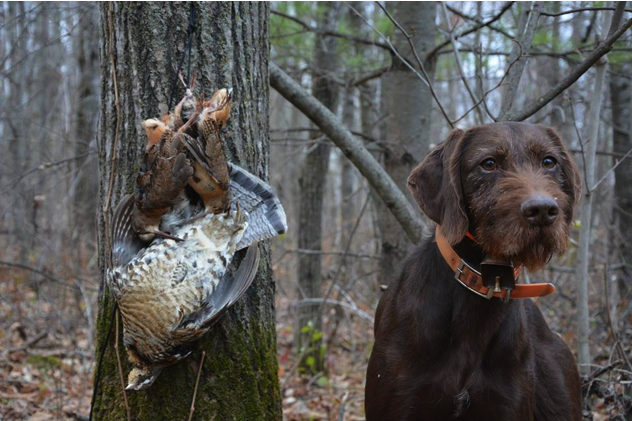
230,49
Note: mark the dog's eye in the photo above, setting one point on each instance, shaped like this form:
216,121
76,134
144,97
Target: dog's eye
548,162
489,164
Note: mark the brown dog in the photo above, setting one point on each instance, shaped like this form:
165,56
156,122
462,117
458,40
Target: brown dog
469,348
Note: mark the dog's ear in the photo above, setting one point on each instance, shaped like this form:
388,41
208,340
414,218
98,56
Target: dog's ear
572,178
436,186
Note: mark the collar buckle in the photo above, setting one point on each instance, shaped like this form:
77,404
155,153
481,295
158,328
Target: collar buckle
503,276
463,268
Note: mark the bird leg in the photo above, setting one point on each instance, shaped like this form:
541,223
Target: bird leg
193,118
192,219
162,234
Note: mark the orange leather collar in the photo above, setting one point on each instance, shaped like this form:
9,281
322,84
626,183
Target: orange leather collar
471,278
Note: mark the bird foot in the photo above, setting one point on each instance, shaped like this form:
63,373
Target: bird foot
162,234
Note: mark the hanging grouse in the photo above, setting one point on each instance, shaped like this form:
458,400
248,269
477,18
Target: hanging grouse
174,240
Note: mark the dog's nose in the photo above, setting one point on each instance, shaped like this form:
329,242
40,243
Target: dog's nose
540,210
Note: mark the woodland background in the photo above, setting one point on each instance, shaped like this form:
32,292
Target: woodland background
485,61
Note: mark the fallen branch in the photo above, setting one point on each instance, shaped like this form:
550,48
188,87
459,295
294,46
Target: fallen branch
45,275
600,371
30,343
353,148
319,301
335,253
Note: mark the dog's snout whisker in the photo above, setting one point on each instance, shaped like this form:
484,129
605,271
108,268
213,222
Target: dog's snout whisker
540,210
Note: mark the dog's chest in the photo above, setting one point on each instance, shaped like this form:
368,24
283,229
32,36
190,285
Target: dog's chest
475,368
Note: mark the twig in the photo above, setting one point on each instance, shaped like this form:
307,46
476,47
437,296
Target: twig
313,129
480,21
45,166
370,76
459,65
334,281
614,167
613,331
500,83
475,28
120,369
425,78
581,141
579,10
482,100
603,49
348,37
197,382
535,53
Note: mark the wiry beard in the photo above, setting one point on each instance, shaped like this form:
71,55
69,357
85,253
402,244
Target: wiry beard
504,232
532,247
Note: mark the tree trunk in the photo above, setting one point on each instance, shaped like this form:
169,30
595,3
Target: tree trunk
86,46
18,143
230,49
621,96
348,185
519,55
407,107
312,182
591,140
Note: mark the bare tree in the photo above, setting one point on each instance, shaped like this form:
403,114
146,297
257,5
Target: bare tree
312,182
407,108
621,97
591,140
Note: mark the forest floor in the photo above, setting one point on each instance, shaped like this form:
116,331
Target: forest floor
47,360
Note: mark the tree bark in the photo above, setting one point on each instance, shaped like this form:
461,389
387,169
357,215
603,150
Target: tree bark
86,46
19,159
407,103
230,49
621,97
312,182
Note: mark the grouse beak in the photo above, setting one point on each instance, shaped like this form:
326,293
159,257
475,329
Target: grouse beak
142,378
